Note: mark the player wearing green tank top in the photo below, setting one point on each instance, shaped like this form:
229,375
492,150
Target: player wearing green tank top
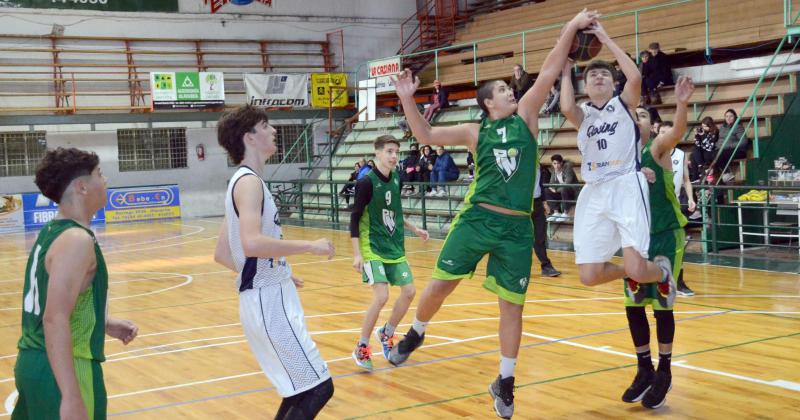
495,218
667,238
379,254
64,322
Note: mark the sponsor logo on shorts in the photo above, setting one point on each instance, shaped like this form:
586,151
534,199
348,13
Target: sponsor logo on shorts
405,274
523,282
448,262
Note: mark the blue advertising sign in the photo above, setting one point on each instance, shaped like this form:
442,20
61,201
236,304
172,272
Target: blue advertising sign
38,210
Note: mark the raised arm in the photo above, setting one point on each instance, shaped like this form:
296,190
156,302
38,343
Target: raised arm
248,195
532,101
569,108
458,135
631,93
664,143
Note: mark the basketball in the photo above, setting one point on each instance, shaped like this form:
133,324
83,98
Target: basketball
585,46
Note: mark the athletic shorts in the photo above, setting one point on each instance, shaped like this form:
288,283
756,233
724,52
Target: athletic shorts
612,215
477,231
396,274
274,324
39,396
671,245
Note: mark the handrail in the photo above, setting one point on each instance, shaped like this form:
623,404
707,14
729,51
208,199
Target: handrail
753,101
474,44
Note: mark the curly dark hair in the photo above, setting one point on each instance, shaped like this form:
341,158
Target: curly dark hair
59,167
233,126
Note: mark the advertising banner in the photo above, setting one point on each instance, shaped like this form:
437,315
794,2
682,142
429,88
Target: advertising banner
195,90
38,210
143,203
385,67
277,90
327,86
11,217
103,5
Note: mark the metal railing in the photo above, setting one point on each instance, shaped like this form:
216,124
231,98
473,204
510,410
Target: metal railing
635,13
722,222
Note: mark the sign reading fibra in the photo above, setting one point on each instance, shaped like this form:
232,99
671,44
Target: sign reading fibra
38,210
195,90
143,203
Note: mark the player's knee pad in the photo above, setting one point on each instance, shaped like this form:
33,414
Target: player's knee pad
665,326
637,322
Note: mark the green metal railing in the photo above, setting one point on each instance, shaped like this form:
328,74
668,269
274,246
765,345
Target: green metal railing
635,13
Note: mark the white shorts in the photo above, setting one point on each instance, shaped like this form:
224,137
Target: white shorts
273,322
612,215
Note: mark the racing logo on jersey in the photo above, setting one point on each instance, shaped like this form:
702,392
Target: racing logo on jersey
506,161
388,220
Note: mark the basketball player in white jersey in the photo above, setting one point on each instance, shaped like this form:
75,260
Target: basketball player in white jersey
613,208
680,178
250,243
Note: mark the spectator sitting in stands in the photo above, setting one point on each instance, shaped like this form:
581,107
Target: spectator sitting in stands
349,189
365,169
656,72
470,166
520,82
737,145
444,170
620,80
425,166
705,147
409,172
561,198
440,101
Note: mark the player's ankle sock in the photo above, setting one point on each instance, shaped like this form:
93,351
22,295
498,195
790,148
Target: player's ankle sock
364,341
645,363
388,329
664,360
507,365
419,326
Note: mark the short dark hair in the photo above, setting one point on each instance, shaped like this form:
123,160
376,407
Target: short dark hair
485,91
667,124
59,167
735,115
556,158
385,139
654,46
600,64
232,127
645,53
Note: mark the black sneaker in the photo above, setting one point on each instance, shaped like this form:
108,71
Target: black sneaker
641,384
502,392
656,396
684,290
402,350
550,271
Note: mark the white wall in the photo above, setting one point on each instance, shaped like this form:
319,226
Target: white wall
202,184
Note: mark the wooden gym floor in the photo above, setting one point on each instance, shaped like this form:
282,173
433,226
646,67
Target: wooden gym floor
736,355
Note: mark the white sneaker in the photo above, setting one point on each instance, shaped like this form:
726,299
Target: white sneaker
552,217
431,193
562,217
441,192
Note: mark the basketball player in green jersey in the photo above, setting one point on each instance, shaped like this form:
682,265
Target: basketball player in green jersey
379,252
495,218
64,322
667,238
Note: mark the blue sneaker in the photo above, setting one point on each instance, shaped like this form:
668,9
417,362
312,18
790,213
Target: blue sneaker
386,342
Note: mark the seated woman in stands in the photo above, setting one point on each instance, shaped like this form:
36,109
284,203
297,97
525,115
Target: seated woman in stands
440,101
738,143
705,148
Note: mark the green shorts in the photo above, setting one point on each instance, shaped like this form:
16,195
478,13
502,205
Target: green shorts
396,274
507,239
669,244
39,396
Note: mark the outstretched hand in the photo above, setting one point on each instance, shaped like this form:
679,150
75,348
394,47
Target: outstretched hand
585,18
684,89
405,84
599,31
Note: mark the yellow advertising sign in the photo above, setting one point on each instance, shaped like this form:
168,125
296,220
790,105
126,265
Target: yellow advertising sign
327,86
